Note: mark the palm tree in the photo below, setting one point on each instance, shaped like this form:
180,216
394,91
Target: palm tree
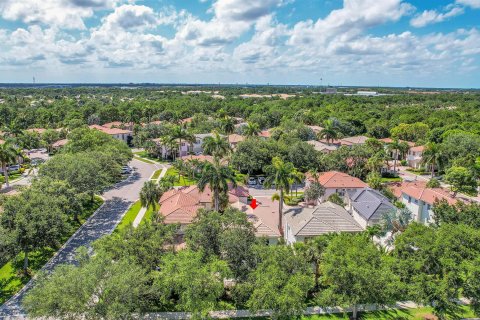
150,195
251,129
432,156
228,125
312,250
181,134
216,146
218,177
281,174
8,154
329,132
180,166
394,148
395,221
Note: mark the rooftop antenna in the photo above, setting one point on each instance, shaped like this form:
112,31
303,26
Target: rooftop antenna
33,79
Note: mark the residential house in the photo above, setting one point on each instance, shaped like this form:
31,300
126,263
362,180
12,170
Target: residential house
419,199
322,147
197,146
181,205
234,139
119,134
164,151
59,144
316,129
414,157
265,134
337,182
368,206
264,219
302,223
393,154
119,125
352,141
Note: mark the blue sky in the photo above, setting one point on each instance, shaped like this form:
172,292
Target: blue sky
349,42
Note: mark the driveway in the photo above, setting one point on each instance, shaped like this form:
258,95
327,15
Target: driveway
102,222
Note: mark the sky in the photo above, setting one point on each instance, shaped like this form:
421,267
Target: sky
416,43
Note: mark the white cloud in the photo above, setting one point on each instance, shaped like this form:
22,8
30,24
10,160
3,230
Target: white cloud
432,16
475,4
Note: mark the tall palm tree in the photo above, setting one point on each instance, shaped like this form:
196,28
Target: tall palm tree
281,174
228,125
394,148
150,195
8,154
216,146
181,134
218,177
329,132
432,156
251,129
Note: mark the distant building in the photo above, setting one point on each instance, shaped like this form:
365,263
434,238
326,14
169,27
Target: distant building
322,147
303,223
119,134
415,156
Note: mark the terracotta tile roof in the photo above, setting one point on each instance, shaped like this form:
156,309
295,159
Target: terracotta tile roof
37,130
264,218
2,141
417,148
112,124
338,180
235,138
110,131
354,140
418,190
265,134
60,143
186,120
322,147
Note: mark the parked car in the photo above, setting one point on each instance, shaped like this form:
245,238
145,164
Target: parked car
252,181
261,180
14,167
126,170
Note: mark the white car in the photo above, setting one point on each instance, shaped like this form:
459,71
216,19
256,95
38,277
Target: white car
252,181
126,170
261,180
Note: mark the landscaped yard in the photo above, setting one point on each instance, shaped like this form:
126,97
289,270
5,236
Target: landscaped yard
11,280
143,159
396,179
393,314
131,214
184,181
156,174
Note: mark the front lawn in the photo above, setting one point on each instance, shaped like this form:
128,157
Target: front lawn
183,181
131,214
11,277
388,180
143,160
156,174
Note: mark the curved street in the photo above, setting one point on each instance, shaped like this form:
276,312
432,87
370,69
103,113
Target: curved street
117,200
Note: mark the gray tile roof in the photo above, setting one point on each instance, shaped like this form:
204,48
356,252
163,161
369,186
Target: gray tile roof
370,204
324,218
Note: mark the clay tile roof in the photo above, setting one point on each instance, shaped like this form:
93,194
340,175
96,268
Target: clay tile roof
37,130
110,131
339,180
60,143
417,148
390,140
354,140
235,138
265,134
418,190
112,124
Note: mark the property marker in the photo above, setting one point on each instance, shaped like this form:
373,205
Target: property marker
253,204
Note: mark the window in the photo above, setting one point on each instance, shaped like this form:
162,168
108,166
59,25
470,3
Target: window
409,199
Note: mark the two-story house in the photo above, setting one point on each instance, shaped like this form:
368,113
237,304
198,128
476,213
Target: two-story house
336,182
414,156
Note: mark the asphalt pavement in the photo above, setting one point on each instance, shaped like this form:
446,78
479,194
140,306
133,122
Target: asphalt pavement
117,200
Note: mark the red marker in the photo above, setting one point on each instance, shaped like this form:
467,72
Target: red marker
253,204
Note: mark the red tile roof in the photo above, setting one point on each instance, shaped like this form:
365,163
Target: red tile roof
390,140
60,143
110,131
339,180
265,134
235,138
418,190
417,148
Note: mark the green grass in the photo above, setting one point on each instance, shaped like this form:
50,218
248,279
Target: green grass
184,181
386,180
11,277
156,174
143,160
131,214
11,177
393,314
146,155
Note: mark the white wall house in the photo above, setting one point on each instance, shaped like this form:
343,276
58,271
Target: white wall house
337,182
414,157
119,134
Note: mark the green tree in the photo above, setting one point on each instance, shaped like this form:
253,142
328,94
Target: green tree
216,146
150,195
394,147
8,154
280,282
335,198
314,192
188,283
329,131
228,125
218,177
432,157
49,137
356,272
280,174
374,180
461,179
179,133
312,250
251,129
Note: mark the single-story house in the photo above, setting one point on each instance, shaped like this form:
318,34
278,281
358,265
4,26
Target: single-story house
351,141
322,147
316,129
265,134
59,144
119,134
367,206
264,218
337,182
234,139
302,223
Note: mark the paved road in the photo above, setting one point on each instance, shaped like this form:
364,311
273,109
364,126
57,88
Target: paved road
104,221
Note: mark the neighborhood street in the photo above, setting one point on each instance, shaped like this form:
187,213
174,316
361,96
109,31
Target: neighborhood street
102,222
